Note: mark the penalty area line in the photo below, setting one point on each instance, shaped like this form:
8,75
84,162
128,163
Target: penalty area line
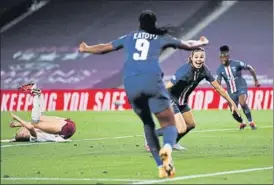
204,175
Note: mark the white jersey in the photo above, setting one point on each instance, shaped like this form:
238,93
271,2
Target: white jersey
46,137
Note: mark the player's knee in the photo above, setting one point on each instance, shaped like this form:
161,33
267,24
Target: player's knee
243,104
181,129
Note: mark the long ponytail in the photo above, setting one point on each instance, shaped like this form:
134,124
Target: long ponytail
148,20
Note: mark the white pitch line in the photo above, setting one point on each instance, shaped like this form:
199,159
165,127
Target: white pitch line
66,179
121,137
138,181
228,129
204,175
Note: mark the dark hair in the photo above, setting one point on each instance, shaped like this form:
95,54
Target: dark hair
193,51
224,48
148,20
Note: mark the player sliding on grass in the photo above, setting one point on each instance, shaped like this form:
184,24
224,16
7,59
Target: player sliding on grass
143,82
182,84
41,128
231,72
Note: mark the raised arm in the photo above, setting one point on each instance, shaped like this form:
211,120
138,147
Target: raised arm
103,48
96,49
25,124
193,44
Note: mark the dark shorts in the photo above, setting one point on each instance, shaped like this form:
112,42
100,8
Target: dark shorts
147,93
68,129
235,96
180,108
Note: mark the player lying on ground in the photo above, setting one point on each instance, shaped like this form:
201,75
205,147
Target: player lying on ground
231,71
144,85
182,84
41,128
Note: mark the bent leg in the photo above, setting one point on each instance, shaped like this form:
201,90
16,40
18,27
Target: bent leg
51,127
190,122
247,111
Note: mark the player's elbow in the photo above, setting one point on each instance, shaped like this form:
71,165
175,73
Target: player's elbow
31,129
105,48
186,46
250,68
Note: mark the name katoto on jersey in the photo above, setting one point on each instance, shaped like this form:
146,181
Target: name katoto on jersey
144,35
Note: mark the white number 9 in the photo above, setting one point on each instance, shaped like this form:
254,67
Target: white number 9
141,45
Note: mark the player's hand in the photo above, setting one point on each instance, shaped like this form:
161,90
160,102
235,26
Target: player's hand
82,47
234,108
204,40
257,83
12,124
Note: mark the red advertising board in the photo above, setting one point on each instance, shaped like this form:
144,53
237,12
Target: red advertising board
115,99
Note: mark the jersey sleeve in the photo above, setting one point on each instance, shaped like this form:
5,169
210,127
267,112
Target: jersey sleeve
219,75
208,75
242,65
119,43
180,74
169,41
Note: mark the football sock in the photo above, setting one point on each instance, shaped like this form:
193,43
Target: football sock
237,117
247,112
36,110
180,136
170,135
153,143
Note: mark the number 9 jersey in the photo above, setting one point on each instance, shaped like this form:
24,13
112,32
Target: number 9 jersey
143,51
142,73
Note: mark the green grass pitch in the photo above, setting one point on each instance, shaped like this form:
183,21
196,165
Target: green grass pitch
109,148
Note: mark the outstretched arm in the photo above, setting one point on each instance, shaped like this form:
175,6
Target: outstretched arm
96,49
103,48
25,124
193,44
